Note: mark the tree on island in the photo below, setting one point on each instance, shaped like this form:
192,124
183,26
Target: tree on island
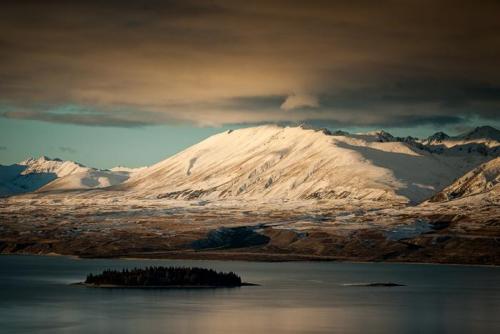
165,276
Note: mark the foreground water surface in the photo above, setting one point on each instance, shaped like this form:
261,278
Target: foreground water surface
294,297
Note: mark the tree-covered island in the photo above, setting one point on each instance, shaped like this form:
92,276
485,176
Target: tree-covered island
164,277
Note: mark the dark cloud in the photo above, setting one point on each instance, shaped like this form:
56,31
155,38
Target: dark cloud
137,63
3,148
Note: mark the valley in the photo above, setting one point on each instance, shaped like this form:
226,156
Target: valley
296,231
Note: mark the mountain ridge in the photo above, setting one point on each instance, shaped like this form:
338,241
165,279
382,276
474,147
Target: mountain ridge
46,174
485,134
302,163
483,180
285,163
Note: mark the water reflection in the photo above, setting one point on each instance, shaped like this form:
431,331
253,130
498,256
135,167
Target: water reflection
293,298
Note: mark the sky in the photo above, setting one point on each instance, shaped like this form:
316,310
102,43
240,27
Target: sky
129,83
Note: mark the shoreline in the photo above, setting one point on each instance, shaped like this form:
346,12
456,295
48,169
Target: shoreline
266,258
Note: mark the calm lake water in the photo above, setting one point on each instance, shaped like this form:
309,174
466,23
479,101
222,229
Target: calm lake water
305,297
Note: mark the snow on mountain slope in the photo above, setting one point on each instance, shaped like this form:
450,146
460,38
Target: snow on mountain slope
31,174
483,180
127,170
54,174
272,162
485,135
54,166
88,179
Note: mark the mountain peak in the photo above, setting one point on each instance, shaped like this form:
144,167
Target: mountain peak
305,126
46,158
295,163
45,162
383,136
482,132
340,133
438,137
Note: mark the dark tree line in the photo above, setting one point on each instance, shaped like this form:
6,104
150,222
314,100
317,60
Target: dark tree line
165,276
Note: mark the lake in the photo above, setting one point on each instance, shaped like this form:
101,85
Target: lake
294,297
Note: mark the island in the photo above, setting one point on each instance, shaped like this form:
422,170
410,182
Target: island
375,284
163,277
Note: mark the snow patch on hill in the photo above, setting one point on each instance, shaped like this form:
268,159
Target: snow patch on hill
128,170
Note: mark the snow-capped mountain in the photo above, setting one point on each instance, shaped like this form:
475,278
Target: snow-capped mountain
277,163
482,132
31,174
89,179
272,162
382,136
45,174
436,138
56,166
486,135
92,178
483,180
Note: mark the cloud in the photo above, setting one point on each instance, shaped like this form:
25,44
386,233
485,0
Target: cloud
297,101
67,149
138,63
104,119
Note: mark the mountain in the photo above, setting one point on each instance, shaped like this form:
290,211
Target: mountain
438,137
45,174
31,174
381,136
89,179
270,162
292,163
483,180
482,132
485,136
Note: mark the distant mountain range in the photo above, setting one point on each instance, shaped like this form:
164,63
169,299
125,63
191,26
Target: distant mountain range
45,174
483,134
283,163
